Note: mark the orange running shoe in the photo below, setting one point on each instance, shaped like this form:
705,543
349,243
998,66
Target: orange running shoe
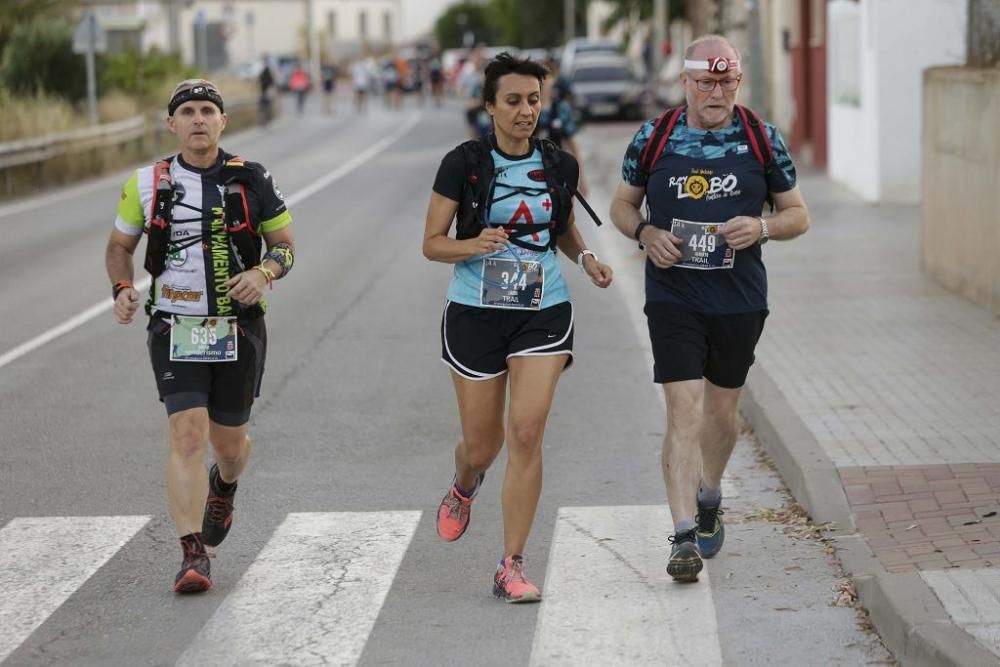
454,511
510,584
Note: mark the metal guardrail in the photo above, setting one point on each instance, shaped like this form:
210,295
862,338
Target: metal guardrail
40,149
27,165
27,151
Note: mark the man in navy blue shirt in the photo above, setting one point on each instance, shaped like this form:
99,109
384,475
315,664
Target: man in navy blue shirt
705,184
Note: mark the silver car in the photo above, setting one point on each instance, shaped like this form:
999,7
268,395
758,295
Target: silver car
606,86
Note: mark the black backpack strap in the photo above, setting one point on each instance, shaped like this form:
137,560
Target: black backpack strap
760,143
477,177
553,163
658,139
160,218
574,191
237,175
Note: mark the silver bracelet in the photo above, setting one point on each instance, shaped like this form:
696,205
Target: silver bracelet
584,253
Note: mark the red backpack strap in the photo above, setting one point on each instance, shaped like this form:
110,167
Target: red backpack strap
658,139
161,172
235,175
760,143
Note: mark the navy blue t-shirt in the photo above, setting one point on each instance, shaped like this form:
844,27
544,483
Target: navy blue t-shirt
702,179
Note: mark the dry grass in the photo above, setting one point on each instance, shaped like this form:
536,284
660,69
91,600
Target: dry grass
116,106
35,116
39,115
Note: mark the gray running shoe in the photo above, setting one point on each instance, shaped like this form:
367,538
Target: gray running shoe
685,559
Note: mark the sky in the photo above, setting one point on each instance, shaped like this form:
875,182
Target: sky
419,15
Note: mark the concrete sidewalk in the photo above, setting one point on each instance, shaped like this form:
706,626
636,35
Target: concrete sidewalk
878,394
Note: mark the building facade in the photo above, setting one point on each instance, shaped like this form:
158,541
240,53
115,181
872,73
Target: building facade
217,33
877,54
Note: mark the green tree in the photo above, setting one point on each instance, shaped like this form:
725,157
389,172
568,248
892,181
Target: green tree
531,24
468,16
140,74
19,12
39,57
625,11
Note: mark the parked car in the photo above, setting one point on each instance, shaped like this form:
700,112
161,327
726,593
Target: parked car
606,86
538,55
574,48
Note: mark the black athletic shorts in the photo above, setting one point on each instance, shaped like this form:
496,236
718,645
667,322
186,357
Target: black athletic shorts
689,346
226,388
477,342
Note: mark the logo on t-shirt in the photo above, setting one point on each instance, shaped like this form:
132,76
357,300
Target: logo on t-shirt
703,183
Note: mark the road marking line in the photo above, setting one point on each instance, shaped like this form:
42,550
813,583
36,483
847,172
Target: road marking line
313,593
44,560
303,194
608,599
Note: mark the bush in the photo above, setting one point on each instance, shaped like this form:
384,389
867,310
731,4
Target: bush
143,75
39,58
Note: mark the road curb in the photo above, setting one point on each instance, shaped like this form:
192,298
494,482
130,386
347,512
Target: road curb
907,614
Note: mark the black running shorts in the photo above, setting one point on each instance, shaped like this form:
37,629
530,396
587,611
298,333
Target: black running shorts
689,346
227,389
477,342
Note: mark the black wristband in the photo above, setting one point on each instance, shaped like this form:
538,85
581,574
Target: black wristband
638,231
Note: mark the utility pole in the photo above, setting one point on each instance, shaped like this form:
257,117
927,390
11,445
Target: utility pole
758,78
312,39
660,21
89,39
569,19
173,25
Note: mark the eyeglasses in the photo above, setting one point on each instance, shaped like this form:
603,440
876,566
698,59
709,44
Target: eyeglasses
708,85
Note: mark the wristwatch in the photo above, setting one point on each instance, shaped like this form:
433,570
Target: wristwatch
764,235
584,253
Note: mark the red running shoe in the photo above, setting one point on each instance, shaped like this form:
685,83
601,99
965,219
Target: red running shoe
509,583
196,572
454,511
218,517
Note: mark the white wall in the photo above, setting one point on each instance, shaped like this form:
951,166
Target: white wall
852,152
278,26
874,139
932,33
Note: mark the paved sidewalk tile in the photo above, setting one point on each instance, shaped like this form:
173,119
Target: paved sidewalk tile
918,518
884,366
970,598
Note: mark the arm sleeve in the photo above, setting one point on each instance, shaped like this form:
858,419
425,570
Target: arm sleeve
782,179
130,219
450,177
274,214
632,172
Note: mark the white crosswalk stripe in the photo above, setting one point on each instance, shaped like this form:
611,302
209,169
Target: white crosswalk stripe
313,593
44,560
609,600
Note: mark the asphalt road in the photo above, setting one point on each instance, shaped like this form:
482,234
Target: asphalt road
357,415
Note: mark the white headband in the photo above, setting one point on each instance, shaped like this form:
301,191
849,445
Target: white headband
718,64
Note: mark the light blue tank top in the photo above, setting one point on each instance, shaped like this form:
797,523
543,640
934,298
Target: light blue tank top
508,208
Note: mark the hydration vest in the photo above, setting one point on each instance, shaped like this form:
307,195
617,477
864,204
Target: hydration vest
480,184
245,242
